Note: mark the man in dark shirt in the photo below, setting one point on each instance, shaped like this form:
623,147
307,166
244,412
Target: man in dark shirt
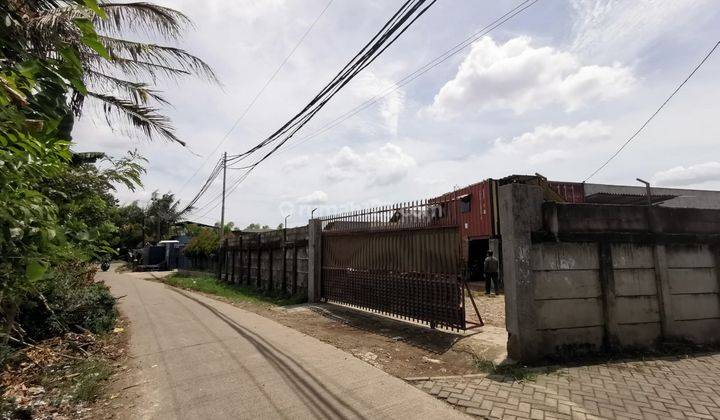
491,268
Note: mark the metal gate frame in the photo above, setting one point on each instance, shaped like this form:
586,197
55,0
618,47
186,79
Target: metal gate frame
402,260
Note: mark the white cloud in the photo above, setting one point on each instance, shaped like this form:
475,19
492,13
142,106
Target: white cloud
315,197
296,162
693,174
622,29
368,85
388,165
547,143
519,76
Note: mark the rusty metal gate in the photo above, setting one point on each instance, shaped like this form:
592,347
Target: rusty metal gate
401,260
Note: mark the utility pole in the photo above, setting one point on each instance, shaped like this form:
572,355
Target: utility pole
222,210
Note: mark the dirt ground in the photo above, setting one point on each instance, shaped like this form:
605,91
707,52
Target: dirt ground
44,382
491,308
401,348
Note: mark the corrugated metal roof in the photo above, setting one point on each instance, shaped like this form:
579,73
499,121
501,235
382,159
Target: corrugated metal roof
625,199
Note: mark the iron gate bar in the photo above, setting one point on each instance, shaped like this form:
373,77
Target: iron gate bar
401,260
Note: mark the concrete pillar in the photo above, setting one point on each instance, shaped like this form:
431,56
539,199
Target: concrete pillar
663,292
520,215
611,333
314,260
494,246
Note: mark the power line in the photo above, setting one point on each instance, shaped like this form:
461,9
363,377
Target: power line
208,182
388,34
408,13
521,7
259,93
419,72
635,134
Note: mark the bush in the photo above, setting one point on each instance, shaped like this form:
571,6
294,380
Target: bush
204,244
70,300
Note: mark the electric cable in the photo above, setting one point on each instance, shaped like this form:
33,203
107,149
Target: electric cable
635,134
259,93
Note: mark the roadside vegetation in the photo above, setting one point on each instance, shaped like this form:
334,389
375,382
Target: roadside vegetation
231,292
516,372
58,213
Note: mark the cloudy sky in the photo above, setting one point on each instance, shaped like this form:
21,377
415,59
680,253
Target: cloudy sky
555,90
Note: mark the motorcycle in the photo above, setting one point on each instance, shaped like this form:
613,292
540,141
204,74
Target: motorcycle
105,264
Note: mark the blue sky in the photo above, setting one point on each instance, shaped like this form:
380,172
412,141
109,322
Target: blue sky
555,90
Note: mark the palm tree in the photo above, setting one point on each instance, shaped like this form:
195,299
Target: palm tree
162,212
116,72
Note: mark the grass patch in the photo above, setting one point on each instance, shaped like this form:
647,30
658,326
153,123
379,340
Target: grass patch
89,384
81,381
234,292
517,372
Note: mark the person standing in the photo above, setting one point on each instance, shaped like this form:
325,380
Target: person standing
491,268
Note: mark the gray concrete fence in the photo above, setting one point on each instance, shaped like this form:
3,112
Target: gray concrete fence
585,278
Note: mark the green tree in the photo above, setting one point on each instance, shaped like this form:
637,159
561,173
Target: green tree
256,226
113,70
228,228
83,192
162,212
51,61
130,220
204,244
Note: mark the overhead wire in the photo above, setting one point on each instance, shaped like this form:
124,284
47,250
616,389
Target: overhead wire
408,13
417,73
247,109
208,182
521,7
654,114
363,58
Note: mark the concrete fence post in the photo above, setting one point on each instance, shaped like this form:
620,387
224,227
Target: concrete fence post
520,215
611,331
664,296
314,282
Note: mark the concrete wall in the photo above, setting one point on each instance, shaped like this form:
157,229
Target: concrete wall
274,261
586,278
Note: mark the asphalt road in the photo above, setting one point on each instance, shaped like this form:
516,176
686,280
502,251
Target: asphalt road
195,357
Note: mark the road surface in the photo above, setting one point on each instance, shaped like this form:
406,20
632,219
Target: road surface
193,357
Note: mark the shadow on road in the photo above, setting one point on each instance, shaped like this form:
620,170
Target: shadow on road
317,397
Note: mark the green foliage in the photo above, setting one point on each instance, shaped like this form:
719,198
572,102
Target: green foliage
130,220
228,228
34,147
203,244
83,194
69,300
256,226
516,372
162,212
55,209
233,292
88,384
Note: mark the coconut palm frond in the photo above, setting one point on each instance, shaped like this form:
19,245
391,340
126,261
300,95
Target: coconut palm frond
158,54
134,68
144,118
144,17
139,92
57,20
46,26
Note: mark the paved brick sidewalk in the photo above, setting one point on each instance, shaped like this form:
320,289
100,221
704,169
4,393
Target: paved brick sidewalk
668,388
